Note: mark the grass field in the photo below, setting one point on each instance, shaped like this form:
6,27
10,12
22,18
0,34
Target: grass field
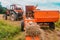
7,30
10,30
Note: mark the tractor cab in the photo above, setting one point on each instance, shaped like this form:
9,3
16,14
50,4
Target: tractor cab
16,8
15,12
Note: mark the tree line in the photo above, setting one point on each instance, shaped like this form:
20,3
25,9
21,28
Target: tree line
2,9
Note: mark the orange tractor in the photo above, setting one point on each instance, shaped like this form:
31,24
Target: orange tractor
15,12
41,17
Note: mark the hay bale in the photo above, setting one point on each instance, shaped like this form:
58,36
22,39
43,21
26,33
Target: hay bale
32,30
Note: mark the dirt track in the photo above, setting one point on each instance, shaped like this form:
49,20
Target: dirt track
17,23
1,16
14,22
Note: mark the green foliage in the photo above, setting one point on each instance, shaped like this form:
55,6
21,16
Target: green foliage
2,9
8,31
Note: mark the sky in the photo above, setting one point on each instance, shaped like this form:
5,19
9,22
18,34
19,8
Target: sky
42,4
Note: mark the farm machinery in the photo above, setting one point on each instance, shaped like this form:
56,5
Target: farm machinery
41,17
15,12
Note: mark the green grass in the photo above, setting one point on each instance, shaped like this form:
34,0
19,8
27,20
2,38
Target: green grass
8,31
57,24
11,31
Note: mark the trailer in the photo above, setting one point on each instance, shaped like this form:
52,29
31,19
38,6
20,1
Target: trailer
41,17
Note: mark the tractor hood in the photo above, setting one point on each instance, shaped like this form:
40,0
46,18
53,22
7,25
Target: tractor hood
18,11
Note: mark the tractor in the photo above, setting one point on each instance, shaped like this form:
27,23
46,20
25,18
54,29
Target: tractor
15,12
41,17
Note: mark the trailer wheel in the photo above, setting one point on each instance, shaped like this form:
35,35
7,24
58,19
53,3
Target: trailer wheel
13,17
51,26
5,16
22,26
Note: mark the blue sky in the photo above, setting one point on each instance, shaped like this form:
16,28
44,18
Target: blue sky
42,4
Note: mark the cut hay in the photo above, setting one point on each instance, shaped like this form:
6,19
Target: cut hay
32,30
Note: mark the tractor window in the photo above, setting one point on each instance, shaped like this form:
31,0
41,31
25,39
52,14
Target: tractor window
12,7
29,14
18,8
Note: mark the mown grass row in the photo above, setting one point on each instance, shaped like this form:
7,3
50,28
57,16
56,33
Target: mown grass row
8,31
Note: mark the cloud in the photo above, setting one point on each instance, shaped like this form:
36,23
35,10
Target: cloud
43,4
27,1
54,0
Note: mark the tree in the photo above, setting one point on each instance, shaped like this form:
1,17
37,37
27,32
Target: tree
2,9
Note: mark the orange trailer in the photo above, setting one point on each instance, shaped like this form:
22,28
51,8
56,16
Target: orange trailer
46,16
32,38
34,15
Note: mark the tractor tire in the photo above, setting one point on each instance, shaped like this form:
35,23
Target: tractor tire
22,26
13,17
51,26
5,16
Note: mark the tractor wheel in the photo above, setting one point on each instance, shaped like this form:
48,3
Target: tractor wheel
5,16
13,17
22,26
51,26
